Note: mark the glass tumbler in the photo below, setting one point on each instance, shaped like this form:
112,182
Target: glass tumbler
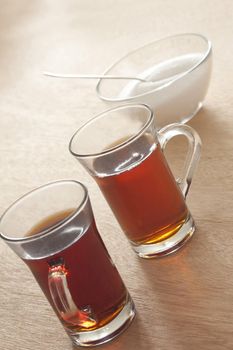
52,229
123,151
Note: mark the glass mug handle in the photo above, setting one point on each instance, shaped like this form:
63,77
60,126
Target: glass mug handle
193,155
63,300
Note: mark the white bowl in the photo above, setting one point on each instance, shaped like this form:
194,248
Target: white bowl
178,70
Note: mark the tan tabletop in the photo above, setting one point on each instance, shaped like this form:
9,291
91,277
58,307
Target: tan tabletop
183,301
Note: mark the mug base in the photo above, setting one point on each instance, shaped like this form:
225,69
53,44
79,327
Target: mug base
109,331
168,246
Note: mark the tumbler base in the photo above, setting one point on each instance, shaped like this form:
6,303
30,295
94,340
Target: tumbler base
169,245
107,332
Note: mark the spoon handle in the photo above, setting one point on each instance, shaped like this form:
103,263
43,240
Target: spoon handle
91,76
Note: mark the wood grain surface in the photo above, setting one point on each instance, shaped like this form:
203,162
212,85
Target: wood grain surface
184,301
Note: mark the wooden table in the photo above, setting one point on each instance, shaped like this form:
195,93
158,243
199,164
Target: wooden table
184,301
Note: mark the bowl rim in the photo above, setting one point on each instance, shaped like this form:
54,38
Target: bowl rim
131,98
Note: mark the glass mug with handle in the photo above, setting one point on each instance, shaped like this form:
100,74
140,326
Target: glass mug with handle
69,260
123,152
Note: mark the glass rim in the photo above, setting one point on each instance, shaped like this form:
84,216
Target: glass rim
131,98
51,229
121,145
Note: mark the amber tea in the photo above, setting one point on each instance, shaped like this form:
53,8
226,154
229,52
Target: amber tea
145,199
88,269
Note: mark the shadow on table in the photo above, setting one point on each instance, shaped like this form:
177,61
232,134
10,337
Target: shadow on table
211,125
187,287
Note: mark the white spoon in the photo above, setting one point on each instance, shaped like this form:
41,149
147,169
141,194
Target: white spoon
91,76
154,83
